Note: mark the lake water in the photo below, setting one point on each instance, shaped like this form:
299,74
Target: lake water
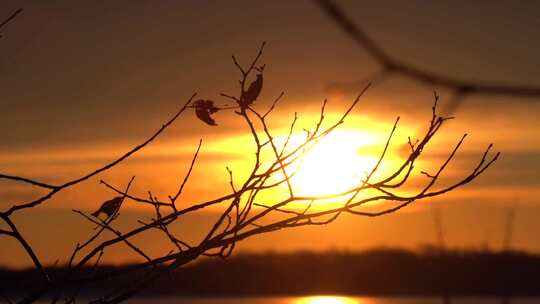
327,300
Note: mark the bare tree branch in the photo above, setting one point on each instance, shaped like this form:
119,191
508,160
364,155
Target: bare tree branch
175,197
390,64
242,214
10,18
15,208
18,236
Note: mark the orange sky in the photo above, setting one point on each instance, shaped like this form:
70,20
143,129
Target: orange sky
81,85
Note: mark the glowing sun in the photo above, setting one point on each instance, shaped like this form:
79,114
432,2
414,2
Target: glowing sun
337,163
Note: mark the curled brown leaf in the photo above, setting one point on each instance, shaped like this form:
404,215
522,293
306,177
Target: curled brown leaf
204,108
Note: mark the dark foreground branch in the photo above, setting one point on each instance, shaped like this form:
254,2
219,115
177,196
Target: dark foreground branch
390,64
246,209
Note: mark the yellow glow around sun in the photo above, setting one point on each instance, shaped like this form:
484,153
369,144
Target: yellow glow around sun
337,163
326,300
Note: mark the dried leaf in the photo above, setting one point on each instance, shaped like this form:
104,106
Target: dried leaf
204,109
109,207
251,94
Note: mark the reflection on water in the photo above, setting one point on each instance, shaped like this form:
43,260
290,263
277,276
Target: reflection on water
327,300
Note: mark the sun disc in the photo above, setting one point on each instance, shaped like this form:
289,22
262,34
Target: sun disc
334,165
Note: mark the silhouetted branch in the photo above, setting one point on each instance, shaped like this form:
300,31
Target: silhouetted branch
175,197
9,233
241,212
102,225
10,18
34,203
17,235
390,64
106,226
28,181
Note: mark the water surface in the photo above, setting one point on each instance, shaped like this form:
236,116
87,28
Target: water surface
328,300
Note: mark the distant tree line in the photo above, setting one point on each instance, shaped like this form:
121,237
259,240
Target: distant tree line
388,272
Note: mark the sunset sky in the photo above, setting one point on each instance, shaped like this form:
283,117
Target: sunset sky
83,83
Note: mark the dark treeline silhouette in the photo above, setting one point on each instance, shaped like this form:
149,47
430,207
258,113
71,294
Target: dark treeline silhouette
429,272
